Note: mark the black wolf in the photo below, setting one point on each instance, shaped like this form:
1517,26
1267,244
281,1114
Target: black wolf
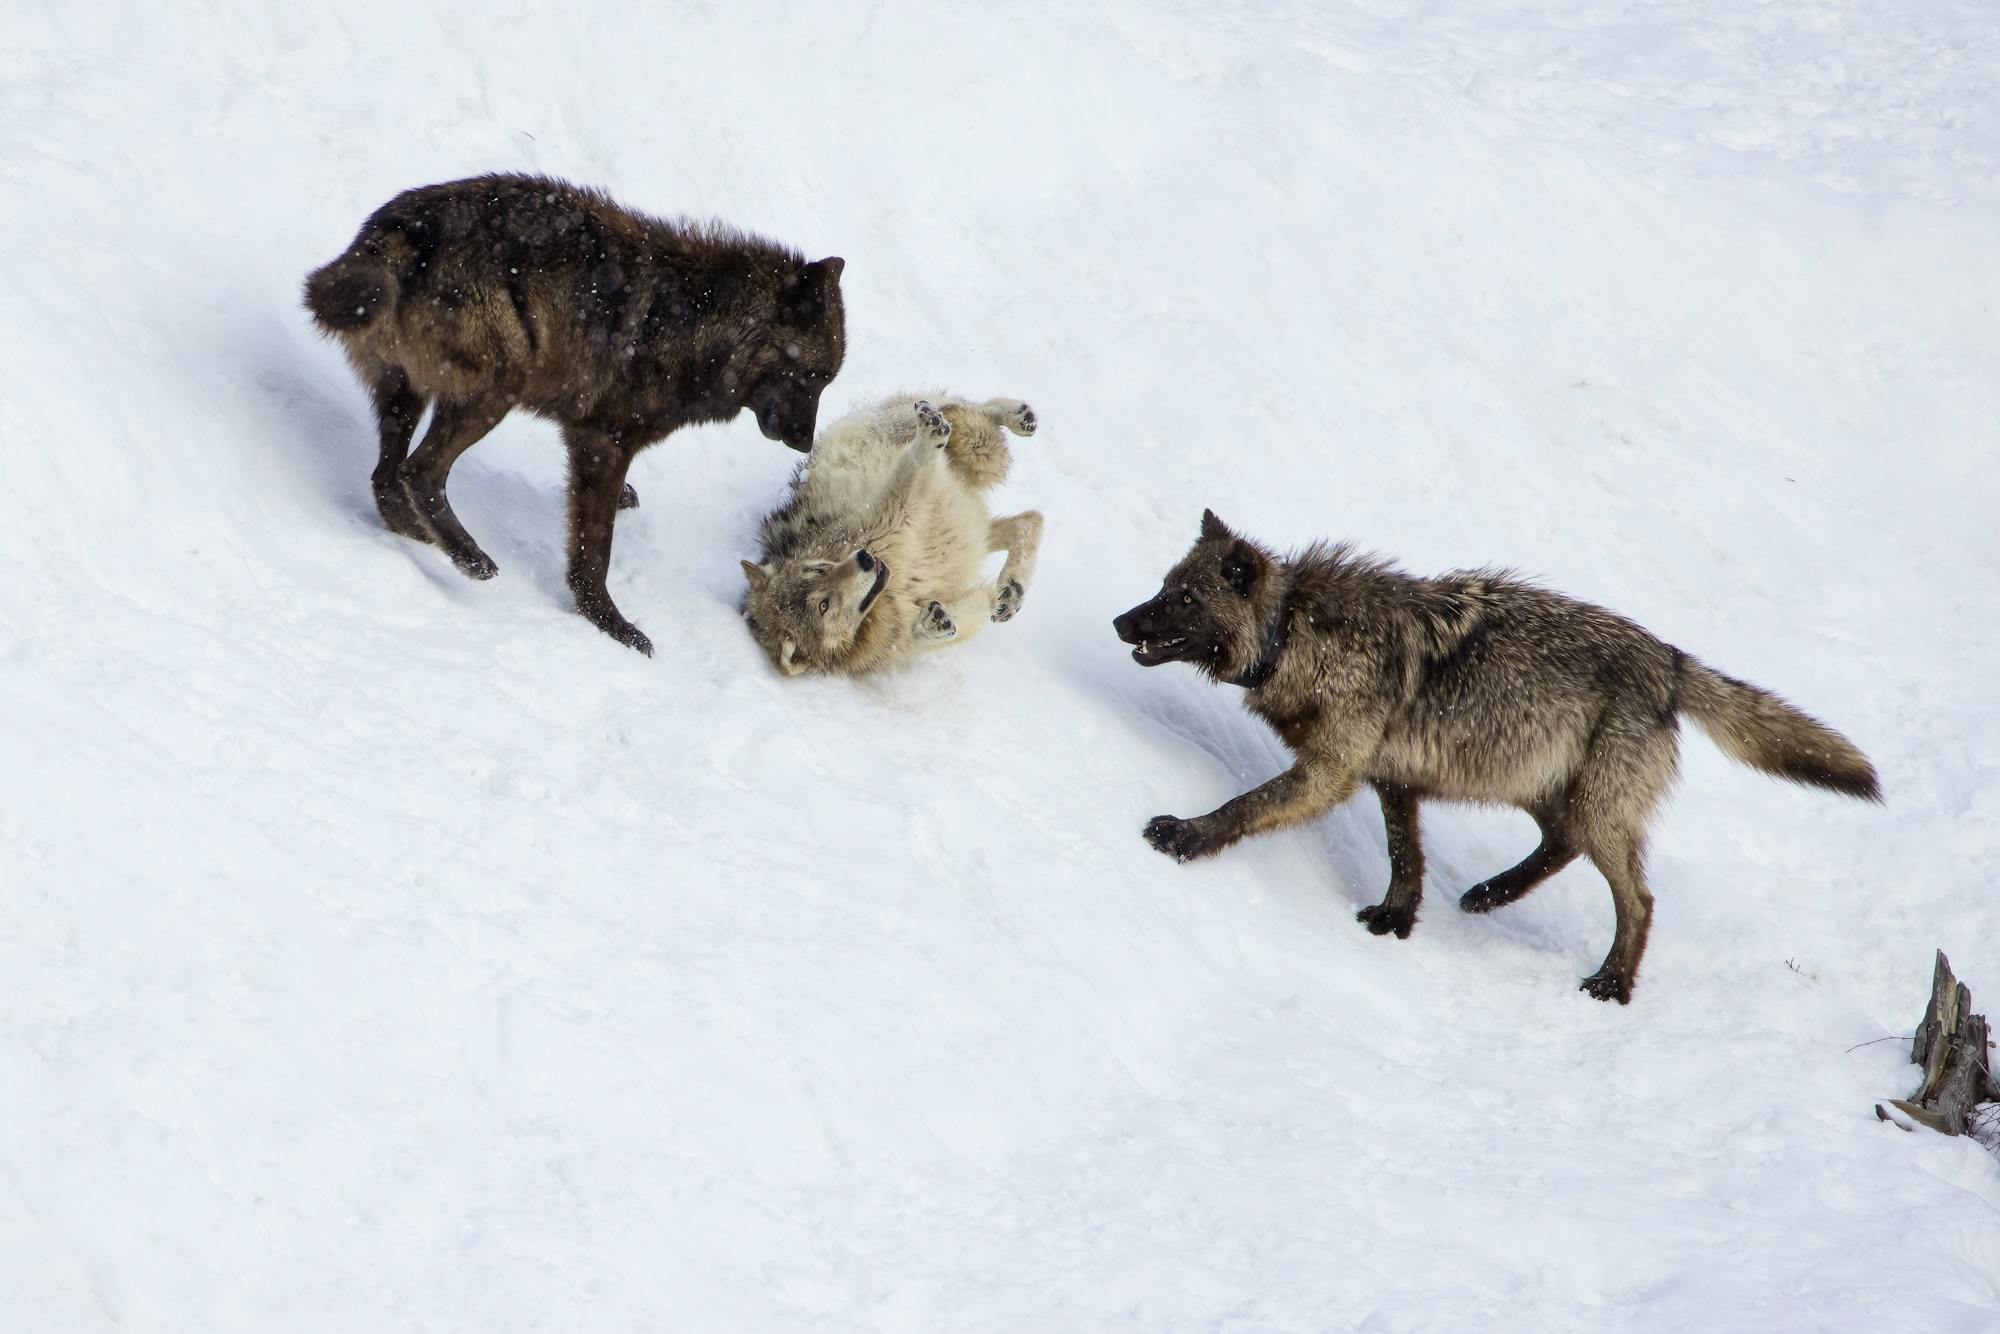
499,292
1475,686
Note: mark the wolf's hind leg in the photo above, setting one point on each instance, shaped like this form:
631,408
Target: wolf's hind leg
1397,912
456,426
1623,862
1555,852
1629,763
1020,536
397,408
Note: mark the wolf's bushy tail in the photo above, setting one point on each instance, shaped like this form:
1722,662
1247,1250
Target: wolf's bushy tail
1757,728
350,292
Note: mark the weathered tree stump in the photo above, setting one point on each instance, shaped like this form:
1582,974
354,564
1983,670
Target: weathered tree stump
1951,1048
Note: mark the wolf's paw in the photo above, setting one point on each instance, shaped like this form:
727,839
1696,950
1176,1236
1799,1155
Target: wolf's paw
474,564
1382,920
597,609
1008,601
1013,414
1180,839
935,623
628,499
932,428
1609,983
630,635
1485,897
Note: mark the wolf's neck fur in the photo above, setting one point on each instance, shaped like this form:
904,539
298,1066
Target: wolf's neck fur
1271,645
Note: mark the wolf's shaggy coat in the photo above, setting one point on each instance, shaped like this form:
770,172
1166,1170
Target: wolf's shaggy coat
484,295
879,551
1470,687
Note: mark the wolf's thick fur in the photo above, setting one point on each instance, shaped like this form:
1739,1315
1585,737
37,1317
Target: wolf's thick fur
1473,686
518,291
879,551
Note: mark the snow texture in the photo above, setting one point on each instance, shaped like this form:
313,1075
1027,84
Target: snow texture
384,951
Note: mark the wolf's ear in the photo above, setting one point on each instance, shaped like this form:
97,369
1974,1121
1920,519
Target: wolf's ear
1214,529
788,658
1241,566
806,296
758,575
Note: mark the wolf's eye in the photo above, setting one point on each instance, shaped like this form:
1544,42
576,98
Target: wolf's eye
824,603
1187,599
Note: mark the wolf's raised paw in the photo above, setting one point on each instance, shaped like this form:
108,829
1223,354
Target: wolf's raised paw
931,425
1608,984
628,499
1013,414
936,623
1381,920
1009,600
1177,838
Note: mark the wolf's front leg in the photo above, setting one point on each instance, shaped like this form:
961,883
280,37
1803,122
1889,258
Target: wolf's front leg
1301,793
923,454
1020,536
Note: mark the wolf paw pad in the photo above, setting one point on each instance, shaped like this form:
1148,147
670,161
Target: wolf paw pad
936,623
1382,920
1013,414
931,425
1177,838
1608,984
1009,600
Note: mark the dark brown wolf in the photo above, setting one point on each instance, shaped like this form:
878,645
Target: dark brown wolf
1475,686
499,292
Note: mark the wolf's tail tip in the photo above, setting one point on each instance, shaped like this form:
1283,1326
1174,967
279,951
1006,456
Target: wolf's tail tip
1853,780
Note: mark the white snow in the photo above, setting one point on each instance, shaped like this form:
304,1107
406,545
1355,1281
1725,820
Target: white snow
383,951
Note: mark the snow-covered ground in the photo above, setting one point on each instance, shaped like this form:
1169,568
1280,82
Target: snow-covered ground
383,951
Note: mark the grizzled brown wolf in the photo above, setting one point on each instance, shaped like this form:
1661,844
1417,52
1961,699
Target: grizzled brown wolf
1474,686
484,295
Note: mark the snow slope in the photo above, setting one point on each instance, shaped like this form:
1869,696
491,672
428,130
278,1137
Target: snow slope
381,951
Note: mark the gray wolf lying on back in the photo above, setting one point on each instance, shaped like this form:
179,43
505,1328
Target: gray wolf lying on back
500,292
880,550
1469,687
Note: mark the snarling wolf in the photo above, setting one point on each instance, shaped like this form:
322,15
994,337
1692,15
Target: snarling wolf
879,551
484,295
1474,686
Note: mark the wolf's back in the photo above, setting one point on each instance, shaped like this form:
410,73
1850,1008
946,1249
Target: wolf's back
1757,728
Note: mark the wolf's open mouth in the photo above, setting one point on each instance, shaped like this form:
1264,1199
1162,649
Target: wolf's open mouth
875,589
1152,652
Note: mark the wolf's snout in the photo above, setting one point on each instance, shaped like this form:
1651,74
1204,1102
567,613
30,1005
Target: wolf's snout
1127,626
864,560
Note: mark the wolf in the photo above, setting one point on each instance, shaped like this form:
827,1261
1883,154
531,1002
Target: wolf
1474,686
879,550
484,295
